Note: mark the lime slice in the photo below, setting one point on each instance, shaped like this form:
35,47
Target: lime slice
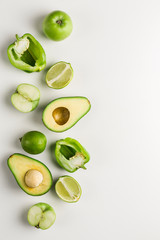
68,189
59,75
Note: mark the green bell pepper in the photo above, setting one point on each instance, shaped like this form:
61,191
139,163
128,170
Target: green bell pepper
27,54
70,154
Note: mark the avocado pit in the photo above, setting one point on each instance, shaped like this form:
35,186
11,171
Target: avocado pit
61,115
33,178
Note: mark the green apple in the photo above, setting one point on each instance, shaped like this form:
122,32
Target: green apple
41,215
26,97
57,25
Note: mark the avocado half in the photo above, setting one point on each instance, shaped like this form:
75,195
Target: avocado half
20,164
63,113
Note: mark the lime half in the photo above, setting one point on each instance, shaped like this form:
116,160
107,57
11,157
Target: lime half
59,75
68,189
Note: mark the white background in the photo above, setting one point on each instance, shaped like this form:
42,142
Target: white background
114,50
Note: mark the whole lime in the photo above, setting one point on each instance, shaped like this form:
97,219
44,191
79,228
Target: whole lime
33,142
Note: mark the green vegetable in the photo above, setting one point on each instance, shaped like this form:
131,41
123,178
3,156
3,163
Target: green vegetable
27,54
70,154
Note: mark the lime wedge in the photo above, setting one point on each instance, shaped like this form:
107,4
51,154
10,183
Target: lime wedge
59,75
68,189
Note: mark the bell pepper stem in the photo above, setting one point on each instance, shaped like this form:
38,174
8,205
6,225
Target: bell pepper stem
17,37
83,167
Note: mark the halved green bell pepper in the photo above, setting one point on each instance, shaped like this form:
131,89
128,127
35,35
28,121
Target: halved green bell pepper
27,54
70,154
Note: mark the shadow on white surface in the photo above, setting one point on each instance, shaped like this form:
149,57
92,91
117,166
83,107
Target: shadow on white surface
37,23
10,181
52,155
7,99
23,216
43,76
3,51
36,116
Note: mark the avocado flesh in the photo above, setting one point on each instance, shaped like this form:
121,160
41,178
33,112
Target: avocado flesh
19,164
63,113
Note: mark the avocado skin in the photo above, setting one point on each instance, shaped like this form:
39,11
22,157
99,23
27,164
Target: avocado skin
51,180
57,99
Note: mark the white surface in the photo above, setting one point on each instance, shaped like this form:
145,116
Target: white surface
115,53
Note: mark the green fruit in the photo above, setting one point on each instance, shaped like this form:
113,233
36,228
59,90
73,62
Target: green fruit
59,75
63,113
26,97
41,215
32,176
33,142
57,25
68,189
